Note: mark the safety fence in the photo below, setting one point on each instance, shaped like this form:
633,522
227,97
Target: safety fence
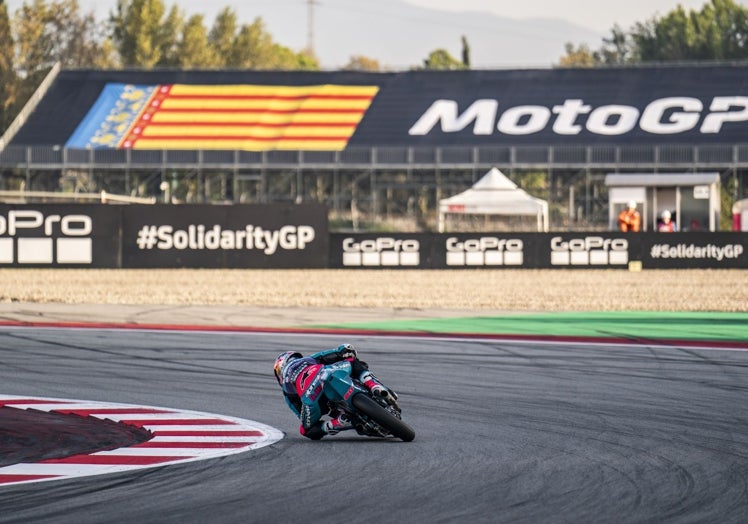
298,236
649,156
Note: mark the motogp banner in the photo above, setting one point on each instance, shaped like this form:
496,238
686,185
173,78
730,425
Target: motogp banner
336,110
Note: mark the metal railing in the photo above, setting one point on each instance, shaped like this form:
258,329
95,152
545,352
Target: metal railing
522,157
102,197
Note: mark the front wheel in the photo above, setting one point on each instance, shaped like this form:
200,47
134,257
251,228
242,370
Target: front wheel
385,419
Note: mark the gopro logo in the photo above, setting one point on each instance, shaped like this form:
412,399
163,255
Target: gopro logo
384,251
485,251
589,251
29,237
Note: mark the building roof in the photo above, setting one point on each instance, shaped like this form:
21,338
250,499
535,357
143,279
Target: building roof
660,179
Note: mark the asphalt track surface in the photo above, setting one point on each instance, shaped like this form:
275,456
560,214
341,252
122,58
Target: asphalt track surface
506,431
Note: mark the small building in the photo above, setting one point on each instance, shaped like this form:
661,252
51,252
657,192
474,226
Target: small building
693,199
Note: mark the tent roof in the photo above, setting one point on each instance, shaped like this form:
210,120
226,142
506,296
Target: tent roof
493,194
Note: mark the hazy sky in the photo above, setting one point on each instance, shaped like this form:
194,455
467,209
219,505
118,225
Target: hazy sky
347,27
598,15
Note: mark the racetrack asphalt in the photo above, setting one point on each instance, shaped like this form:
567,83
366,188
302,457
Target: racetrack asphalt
506,431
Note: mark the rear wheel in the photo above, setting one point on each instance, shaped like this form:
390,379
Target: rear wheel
382,417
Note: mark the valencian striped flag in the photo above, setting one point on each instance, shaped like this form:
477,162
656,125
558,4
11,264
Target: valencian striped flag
227,117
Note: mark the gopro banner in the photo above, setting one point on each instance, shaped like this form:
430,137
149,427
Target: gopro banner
210,236
48,235
577,250
371,250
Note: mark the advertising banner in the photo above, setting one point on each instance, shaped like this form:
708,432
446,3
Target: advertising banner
240,236
384,251
589,250
297,236
577,250
695,250
688,104
488,250
51,235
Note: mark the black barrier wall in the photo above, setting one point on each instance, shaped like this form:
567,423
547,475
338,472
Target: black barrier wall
297,236
164,236
207,236
49,235
539,250
252,236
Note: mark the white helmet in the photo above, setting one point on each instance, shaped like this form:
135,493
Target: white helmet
632,204
666,215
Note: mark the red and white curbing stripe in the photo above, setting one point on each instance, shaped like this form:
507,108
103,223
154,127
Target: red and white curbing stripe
179,436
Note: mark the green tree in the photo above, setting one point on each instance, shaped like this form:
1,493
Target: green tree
222,37
194,47
441,59
168,38
51,32
465,53
8,77
138,32
719,31
617,49
254,48
57,31
580,56
362,63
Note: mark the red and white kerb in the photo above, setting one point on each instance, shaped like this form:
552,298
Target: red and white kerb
179,436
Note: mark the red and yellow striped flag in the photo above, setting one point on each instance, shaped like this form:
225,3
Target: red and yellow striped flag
250,117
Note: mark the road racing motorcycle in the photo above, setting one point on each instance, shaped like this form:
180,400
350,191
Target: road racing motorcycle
370,414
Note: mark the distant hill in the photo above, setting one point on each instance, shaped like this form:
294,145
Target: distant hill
400,35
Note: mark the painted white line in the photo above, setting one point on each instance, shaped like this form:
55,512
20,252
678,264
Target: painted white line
203,427
134,452
186,436
249,440
147,416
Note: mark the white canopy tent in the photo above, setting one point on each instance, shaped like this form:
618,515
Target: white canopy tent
494,194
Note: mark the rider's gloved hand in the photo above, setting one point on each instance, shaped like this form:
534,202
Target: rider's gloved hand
347,351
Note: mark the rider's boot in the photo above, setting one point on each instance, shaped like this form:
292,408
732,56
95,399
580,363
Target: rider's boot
376,387
331,427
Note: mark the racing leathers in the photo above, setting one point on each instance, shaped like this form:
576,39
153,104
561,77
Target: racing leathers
302,387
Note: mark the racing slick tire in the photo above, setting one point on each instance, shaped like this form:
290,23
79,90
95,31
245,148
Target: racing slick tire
379,415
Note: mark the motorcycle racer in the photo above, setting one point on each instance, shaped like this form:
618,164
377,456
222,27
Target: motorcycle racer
302,382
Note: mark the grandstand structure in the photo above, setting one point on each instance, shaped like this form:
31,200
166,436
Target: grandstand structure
377,146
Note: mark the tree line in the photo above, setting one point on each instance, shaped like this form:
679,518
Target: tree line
718,31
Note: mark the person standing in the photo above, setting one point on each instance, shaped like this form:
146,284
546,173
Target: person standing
629,220
666,224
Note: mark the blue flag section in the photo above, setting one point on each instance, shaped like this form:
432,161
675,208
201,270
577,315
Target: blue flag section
111,117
